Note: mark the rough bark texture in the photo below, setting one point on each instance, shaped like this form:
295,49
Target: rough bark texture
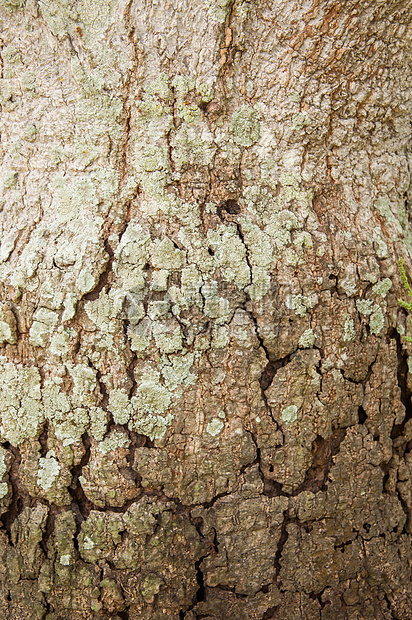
205,375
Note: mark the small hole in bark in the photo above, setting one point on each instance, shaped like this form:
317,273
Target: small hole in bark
366,527
269,614
228,206
148,443
211,252
146,267
362,415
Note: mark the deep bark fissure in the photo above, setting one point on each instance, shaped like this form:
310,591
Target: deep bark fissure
405,394
323,451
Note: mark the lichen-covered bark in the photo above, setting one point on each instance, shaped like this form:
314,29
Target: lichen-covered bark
205,373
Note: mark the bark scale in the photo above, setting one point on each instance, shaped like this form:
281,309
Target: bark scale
205,374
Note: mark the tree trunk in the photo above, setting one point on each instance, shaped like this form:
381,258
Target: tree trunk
204,375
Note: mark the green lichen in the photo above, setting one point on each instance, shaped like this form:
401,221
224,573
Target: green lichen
382,287
349,330
377,320
383,207
60,341
299,303
159,279
120,406
165,255
153,426
48,472
42,327
152,397
404,304
214,427
218,9
4,487
300,120
307,339
168,336
151,587
364,306
116,439
220,337
140,335
191,280
8,327
21,409
245,126
192,146
176,370
230,254
289,414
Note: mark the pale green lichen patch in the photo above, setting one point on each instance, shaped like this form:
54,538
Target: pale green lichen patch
230,254
69,419
48,472
116,439
120,406
245,126
88,543
102,309
168,336
140,335
21,410
300,120
259,246
382,205
214,427
71,429
220,337
382,287
65,560
377,320
364,306
151,397
153,426
191,282
159,280
42,327
289,414
165,255
218,9
8,328
131,256
3,464
176,370
193,146
84,379
349,330
299,303
307,339
4,489
60,341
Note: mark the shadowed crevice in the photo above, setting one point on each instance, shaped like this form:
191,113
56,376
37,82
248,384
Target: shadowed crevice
323,451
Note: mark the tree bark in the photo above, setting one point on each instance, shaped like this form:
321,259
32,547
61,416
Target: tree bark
205,371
